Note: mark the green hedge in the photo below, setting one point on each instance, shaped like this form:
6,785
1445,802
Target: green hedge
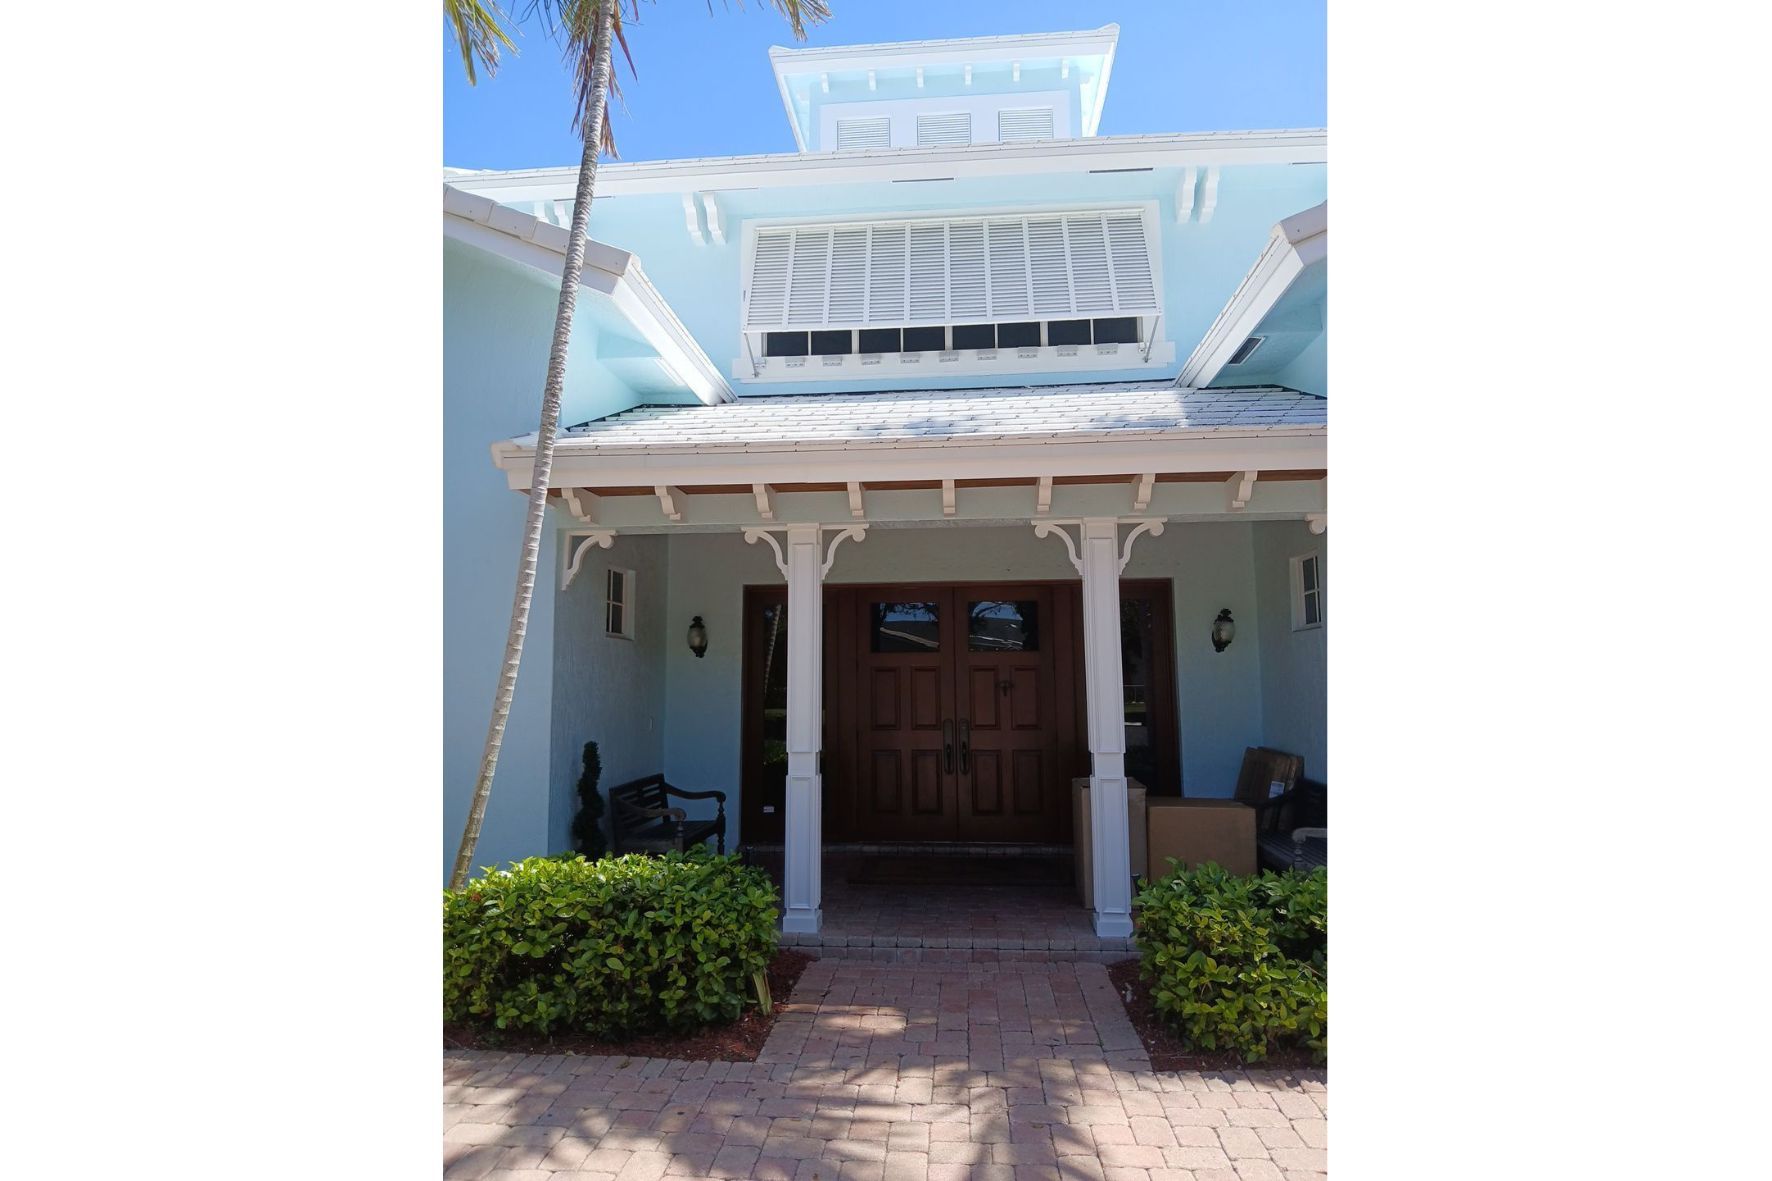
607,948
1239,963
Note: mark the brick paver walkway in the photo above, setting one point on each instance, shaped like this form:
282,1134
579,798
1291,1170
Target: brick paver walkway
1015,1071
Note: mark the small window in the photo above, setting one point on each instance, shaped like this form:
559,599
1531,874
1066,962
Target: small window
1003,625
1307,591
1245,350
1067,332
1023,335
905,627
1117,330
925,340
618,619
834,343
784,344
880,340
975,336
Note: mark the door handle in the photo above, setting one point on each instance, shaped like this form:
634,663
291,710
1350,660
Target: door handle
965,746
947,744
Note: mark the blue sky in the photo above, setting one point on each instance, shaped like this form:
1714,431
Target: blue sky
704,87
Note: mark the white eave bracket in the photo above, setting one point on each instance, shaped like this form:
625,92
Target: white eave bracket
1238,489
580,542
1317,523
754,534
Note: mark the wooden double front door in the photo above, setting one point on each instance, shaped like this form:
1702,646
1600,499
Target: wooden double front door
952,721
952,712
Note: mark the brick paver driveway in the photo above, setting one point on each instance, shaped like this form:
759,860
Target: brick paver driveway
1014,1071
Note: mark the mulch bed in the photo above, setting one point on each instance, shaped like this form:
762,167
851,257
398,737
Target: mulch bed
737,1041
1168,1051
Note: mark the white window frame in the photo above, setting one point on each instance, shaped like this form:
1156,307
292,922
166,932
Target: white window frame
1155,349
1298,592
983,108
626,602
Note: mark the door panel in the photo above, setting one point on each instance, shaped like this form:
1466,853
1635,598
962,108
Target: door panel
1017,788
905,693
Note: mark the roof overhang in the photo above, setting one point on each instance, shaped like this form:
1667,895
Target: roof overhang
1295,243
485,224
1086,44
1093,154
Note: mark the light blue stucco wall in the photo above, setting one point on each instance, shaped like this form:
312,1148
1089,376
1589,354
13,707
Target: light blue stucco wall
497,323
1309,370
1209,565
608,689
1202,263
1293,663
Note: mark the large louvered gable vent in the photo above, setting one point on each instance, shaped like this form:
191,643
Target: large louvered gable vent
951,271
854,134
1028,123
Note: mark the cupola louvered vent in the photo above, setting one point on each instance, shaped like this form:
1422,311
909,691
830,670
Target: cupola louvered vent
854,134
951,271
1029,123
936,130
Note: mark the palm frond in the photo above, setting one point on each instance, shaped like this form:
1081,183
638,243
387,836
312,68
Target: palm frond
798,13
478,33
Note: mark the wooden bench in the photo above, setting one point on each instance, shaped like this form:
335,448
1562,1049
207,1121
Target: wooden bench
643,820
1292,830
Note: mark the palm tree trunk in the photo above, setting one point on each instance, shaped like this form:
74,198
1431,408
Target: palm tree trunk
544,447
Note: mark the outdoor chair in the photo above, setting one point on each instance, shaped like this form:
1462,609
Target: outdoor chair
1292,830
643,820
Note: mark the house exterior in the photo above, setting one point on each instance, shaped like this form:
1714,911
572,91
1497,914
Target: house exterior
957,428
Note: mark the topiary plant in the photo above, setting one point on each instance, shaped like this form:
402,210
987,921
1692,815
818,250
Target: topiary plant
587,828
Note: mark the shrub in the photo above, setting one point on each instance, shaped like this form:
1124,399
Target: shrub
1238,963
607,948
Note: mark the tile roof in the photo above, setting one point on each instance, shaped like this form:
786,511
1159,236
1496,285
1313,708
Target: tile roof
1020,414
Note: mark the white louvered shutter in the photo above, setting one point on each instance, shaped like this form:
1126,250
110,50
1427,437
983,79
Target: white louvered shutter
863,133
935,130
767,305
1054,266
1031,123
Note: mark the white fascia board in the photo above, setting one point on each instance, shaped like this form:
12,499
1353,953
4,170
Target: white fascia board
1229,449
1092,117
541,246
876,165
1294,244
955,51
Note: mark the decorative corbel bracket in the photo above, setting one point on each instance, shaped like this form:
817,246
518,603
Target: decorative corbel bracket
1048,528
753,536
858,532
584,539
1153,526
1238,489
1318,523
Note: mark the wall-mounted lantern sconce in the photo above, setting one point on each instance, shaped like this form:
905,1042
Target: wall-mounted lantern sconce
1224,630
698,637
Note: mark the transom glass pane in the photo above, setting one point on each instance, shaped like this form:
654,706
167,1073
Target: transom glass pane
998,625
904,627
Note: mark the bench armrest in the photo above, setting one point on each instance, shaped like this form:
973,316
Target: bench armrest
696,795
1301,835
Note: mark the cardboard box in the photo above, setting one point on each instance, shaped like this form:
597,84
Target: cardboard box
1196,831
1081,830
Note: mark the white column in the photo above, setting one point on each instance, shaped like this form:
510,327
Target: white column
803,856
1104,689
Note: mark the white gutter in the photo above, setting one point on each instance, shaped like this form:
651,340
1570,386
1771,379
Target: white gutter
1294,244
876,165
540,245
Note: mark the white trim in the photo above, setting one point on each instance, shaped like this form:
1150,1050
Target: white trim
535,243
856,508
970,362
1317,523
1153,526
1141,491
1043,496
1049,528
981,110
1298,591
781,170
716,230
693,220
753,536
583,504
1184,193
587,538
1209,199
950,501
886,55
765,500
628,602
1239,488
1292,245
858,532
